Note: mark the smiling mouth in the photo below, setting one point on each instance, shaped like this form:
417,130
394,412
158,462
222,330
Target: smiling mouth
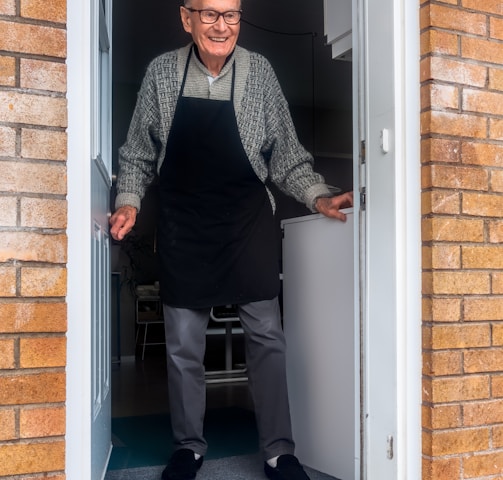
218,39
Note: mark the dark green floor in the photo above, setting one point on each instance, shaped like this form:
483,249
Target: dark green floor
146,440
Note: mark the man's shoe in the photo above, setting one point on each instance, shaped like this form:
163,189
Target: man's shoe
288,468
182,465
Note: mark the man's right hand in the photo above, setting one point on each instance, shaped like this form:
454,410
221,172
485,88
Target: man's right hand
122,221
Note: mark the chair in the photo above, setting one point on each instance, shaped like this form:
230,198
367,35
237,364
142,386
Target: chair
148,312
226,314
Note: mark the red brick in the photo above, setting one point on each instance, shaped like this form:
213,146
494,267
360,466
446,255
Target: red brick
482,205
33,247
53,11
483,257
495,79
42,422
43,144
7,7
41,75
496,183
489,6
483,465
33,317
482,50
474,153
16,107
18,459
453,124
7,352
452,229
43,282
459,389
446,257
7,282
43,213
457,19
446,309
7,71
456,177
32,39
453,71
42,352
7,142
441,468
460,283
481,361
496,28
461,336
495,129
483,308
435,41
8,211
33,388
7,424
442,363
20,177
441,150
483,413
441,201
483,102
443,96
460,441
495,231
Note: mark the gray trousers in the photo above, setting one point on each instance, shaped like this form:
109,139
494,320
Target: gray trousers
265,360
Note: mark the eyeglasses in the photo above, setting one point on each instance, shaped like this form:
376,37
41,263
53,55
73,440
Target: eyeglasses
231,17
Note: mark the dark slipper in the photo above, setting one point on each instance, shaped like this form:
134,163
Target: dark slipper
182,465
288,468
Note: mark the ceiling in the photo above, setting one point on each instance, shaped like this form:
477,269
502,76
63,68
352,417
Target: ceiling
145,29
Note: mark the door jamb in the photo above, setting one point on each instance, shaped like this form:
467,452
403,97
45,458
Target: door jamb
78,391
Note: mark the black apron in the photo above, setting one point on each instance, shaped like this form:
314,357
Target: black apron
216,235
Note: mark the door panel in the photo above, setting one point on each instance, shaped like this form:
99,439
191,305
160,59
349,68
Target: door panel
100,325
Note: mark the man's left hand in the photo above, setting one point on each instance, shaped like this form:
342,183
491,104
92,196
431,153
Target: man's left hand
331,206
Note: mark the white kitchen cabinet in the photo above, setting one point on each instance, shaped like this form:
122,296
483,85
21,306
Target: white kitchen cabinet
322,342
338,27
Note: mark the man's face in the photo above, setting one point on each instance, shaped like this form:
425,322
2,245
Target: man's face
215,41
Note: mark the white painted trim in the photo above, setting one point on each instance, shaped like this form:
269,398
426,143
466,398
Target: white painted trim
78,406
408,214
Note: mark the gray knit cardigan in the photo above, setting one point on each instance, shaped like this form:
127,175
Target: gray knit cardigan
263,118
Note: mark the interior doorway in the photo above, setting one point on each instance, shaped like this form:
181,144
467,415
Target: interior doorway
319,92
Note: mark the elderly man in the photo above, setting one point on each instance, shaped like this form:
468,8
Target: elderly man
212,123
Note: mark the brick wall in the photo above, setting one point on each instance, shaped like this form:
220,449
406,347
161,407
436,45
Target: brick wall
462,181
33,240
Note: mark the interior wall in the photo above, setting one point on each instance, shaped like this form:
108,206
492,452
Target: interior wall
317,88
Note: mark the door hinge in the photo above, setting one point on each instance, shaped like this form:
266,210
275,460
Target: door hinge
363,198
363,151
390,451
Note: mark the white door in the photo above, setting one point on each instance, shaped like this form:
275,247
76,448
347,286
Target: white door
89,171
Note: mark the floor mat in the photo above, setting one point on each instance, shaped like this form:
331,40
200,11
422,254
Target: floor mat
246,467
147,440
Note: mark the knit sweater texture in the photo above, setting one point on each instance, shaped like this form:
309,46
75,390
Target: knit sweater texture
263,118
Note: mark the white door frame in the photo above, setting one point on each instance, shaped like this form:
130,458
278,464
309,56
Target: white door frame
391,313
407,229
79,294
